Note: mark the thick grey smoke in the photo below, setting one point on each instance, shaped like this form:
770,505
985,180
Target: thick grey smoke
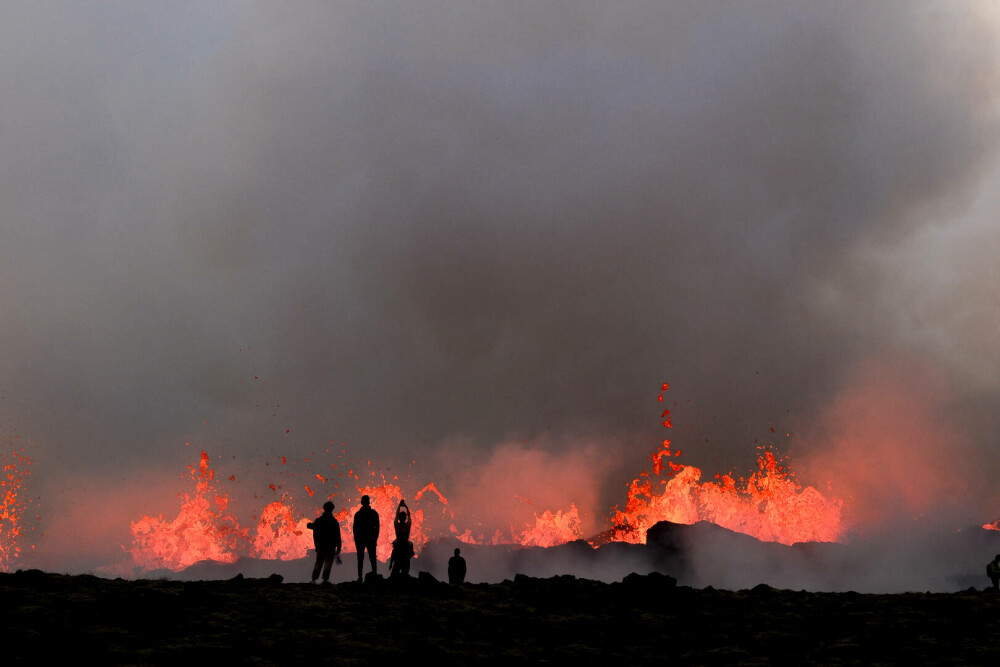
263,228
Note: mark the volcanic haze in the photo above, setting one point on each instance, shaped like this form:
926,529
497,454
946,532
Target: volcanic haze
468,241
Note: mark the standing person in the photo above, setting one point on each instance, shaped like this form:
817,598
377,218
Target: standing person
326,539
402,522
366,529
456,568
993,572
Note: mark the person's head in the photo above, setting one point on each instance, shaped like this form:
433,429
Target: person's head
328,507
457,551
996,558
365,501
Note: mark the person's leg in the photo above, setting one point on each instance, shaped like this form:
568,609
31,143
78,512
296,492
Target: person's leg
319,563
360,548
327,565
371,556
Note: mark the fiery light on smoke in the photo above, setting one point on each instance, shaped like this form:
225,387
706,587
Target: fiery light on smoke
879,441
551,529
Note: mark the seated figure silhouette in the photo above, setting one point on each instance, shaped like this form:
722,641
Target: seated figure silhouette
993,572
326,539
366,530
456,568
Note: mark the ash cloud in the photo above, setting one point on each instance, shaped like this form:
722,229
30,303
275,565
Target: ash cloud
410,224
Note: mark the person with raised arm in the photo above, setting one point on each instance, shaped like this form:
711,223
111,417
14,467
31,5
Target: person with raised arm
403,521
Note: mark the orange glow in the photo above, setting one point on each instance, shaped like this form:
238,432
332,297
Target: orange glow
769,505
551,529
280,534
12,507
202,529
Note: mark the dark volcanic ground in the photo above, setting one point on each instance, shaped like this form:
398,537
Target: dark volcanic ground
640,620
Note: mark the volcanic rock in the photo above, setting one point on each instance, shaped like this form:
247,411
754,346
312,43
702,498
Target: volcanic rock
563,620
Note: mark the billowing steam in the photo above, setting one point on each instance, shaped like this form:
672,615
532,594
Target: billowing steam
473,239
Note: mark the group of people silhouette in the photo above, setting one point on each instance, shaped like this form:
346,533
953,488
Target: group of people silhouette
366,529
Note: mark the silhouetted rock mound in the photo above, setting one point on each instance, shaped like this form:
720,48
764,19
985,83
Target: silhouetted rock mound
652,583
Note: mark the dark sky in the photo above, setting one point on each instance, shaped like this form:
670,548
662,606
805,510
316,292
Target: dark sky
429,230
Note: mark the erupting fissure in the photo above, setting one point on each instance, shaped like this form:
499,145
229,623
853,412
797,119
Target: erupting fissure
202,529
769,505
13,507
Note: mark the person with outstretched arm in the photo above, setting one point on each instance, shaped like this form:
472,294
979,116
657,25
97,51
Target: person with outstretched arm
326,539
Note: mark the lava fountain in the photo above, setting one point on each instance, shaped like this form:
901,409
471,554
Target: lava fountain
769,504
202,530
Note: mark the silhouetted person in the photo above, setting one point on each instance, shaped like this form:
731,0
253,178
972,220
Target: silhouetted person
456,568
993,572
399,561
326,539
402,522
365,529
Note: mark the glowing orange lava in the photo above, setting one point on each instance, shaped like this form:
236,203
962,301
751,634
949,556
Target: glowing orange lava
201,531
281,535
551,529
769,505
12,507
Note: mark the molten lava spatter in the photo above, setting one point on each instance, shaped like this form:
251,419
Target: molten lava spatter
201,531
769,505
13,472
281,534
551,529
